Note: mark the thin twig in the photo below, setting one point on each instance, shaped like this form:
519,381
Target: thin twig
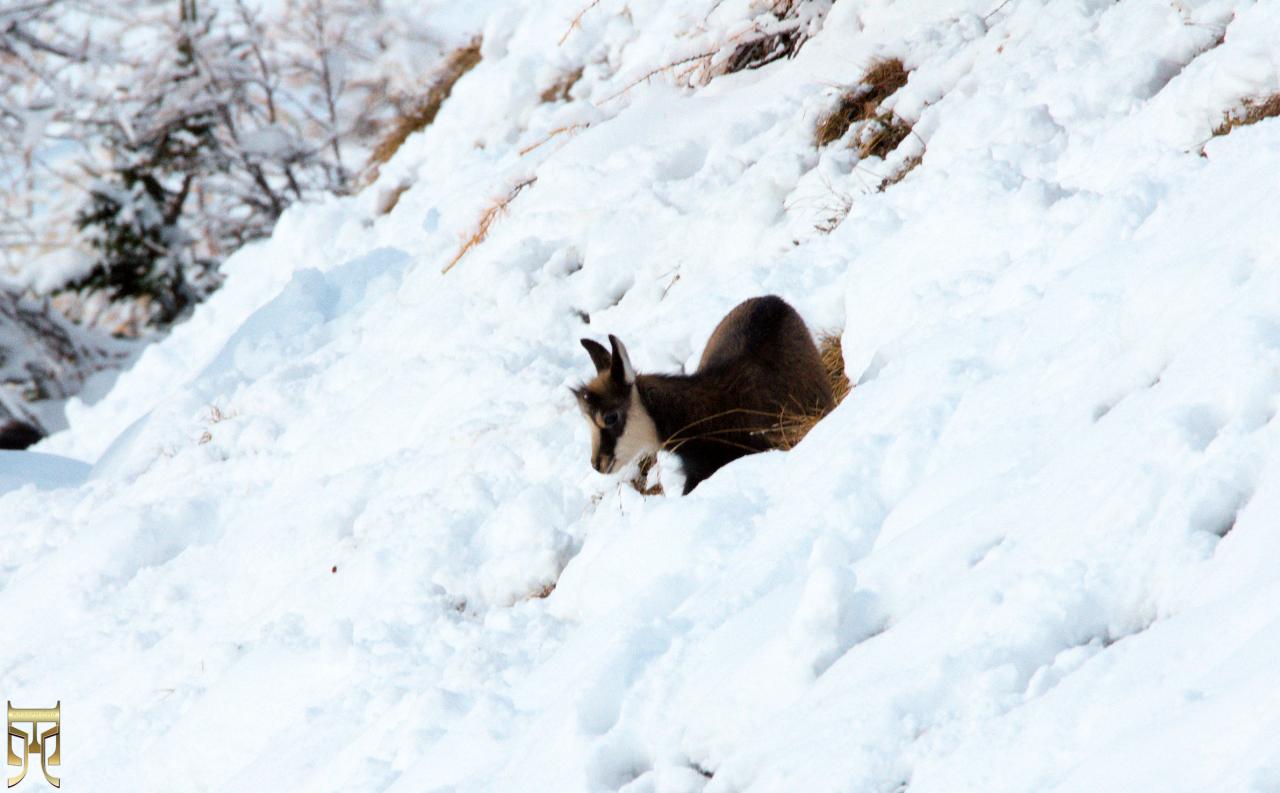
554,133
577,21
656,71
486,221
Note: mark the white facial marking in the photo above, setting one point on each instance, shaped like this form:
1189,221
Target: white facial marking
595,440
640,435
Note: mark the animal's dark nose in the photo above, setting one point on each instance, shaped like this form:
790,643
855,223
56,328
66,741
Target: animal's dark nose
602,463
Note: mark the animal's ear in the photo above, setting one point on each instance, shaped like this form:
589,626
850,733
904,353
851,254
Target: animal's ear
621,370
599,355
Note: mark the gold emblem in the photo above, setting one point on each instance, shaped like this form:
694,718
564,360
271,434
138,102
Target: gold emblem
39,740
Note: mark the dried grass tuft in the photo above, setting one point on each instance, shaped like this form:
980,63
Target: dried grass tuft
832,351
417,113
783,38
542,592
640,482
1251,112
861,102
487,219
763,50
908,165
792,427
881,135
388,199
559,90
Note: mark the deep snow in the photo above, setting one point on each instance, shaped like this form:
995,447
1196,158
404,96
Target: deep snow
1034,550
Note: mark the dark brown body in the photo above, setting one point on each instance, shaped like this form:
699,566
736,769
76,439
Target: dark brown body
15,434
760,372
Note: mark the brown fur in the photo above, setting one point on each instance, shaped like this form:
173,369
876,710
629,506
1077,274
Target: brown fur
17,435
759,372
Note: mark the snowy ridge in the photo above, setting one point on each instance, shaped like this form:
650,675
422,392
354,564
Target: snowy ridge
1033,550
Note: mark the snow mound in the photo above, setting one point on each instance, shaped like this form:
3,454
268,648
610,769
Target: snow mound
341,532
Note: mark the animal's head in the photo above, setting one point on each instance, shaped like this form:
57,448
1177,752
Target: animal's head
621,428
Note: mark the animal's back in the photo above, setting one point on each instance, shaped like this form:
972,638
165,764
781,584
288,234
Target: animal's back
764,345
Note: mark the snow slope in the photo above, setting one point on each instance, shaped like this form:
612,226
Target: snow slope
1034,550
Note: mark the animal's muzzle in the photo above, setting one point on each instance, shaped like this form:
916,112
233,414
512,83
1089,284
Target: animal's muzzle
603,463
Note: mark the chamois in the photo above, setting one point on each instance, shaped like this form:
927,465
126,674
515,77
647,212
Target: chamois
759,371
17,435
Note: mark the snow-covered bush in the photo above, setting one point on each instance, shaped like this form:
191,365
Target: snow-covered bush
178,130
45,359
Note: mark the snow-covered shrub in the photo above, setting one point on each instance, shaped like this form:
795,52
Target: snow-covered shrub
135,219
862,121
775,35
197,122
861,101
45,359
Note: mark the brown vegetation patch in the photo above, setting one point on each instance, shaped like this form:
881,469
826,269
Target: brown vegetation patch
907,166
862,101
389,198
640,482
881,135
418,112
487,218
832,351
782,39
543,592
1251,112
792,427
762,50
559,90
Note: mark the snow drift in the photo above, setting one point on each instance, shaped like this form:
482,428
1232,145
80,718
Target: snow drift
1033,550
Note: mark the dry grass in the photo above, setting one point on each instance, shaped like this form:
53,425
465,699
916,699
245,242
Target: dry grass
419,112
876,132
542,593
576,22
571,128
640,482
389,198
758,48
1251,112
792,427
832,351
908,165
487,219
751,49
559,90
692,64
881,135
862,101
762,50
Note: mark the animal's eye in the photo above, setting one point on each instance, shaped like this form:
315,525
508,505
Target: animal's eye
611,418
